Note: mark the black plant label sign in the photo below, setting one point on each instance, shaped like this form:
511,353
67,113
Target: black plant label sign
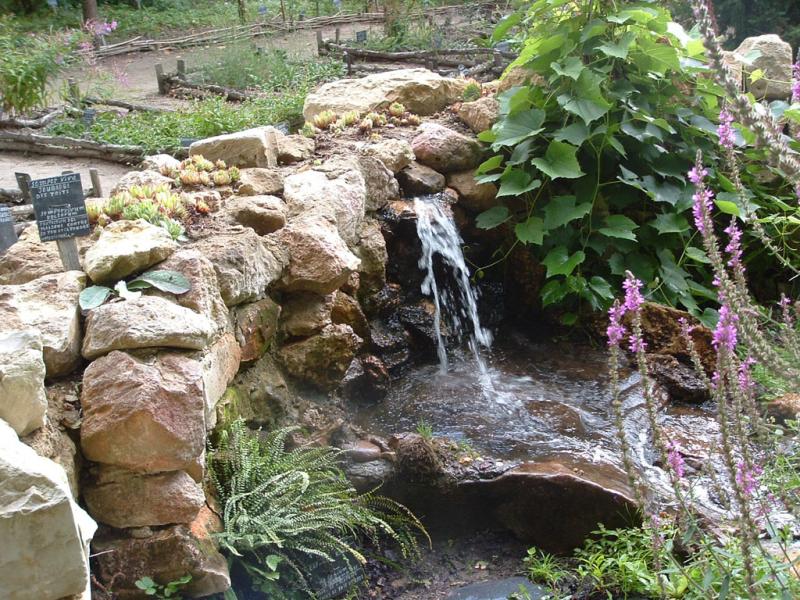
60,207
8,236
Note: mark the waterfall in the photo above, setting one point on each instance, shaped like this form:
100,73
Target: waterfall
455,301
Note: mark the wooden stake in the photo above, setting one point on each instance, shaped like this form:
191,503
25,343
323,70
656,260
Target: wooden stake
338,33
97,189
181,68
319,41
68,251
162,82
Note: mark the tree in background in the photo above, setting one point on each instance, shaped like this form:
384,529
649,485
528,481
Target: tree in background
89,10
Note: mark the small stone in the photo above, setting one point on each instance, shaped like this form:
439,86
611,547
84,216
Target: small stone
255,325
147,178
257,147
23,403
475,197
681,381
259,395
263,214
394,154
481,114
346,310
417,179
157,162
294,148
445,150
260,182
220,363
305,314
322,360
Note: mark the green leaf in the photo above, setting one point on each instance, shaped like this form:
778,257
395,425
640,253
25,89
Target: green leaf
620,48
553,292
601,287
619,226
697,255
93,296
489,219
569,319
521,153
516,182
572,67
272,561
558,262
166,281
530,231
727,207
562,210
513,129
505,25
559,161
575,134
487,136
144,583
587,100
489,165
669,223
616,145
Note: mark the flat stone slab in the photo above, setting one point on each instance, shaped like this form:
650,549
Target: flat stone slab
498,590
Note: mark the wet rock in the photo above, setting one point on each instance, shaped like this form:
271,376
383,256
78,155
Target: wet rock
263,214
259,395
523,282
125,248
146,178
150,420
320,262
245,264
445,150
346,310
418,319
257,147
785,408
403,247
392,343
147,322
419,90
260,182
220,363
305,314
475,197
23,403
775,60
48,305
46,534
501,589
30,258
367,379
371,250
294,148
367,476
322,360
157,162
417,458
417,179
662,333
255,326
386,301
681,381
481,114
394,154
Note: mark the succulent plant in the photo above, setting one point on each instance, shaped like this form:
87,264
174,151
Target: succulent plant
115,205
308,130
94,208
472,91
378,120
202,207
221,177
220,164
324,119
351,117
366,125
189,178
234,173
396,109
414,120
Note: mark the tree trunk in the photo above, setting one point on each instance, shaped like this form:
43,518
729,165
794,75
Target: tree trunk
89,10
241,11
391,16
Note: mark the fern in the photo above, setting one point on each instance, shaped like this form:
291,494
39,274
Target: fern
297,505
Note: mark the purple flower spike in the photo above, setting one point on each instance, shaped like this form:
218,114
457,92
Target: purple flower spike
734,247
616,330
703,205
633,293
697,175
675,459
796,82
725,130
747,478
725,335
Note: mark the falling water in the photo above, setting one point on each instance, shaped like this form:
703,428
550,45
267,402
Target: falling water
456,304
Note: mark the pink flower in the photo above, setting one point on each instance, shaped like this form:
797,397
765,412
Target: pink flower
796,82
745,379
702,207
747,478
633,294
675,459
725,335
734,247
615,331
636,344
725,130
697,174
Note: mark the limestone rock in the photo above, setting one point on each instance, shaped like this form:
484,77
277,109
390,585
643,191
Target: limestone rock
122,498
481,114
519,75
254,326
305,314
417,179
294,148
220,363
263,214
157,162
30,258
371,250
367,379
322,360
340,193
394,154
259,395
381,185
149,178
445,150
419,90
260,182
23,403
346,310
775,61
145,416
681,381
785,408
475,197
320,262
147,322
46,534
244,263
48,305
125,248
257,147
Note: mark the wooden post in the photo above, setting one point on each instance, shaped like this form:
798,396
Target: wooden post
74,92
338,34
162,84
24,184
319,41
349,60
97,189
283,11
181,68
68,251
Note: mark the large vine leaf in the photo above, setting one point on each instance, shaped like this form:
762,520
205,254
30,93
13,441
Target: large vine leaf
559,161
530,231
619,226
669,223
559,262
571,67
518,127
516,182
166,281
489,219
93,296
562,210
618,49
586,100
575,134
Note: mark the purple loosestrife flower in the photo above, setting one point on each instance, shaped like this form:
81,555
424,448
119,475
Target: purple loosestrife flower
745,379
702,206
615,330
725,130
796,82
725,334
633,293
636,344
747,478
697,175
675,459
734,247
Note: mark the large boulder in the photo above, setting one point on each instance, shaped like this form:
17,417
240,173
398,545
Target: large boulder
393,153
146,322
48,305
147,178
260,182
260,396
320,261
159,162
322,360
263,214
23,402
774,59
419,90
125,248
245,264
255,326
152,419
305,314
346,310
445,150
31,258
475,197
220,363
371,250
257,147
159,499
517,76
45,533
382,187
417,179
481,114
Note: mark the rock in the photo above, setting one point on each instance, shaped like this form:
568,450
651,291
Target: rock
368,476
305,314
417,179
367,379
245,264
157,162
320,262
30,258
785,408
46,534
381,185
517,76
391,342
500,590
260,182
204,294
475,197
263,214
417,458
322,360
395,154
257,147
48,305
148,178
419,320
259,395
147,322
159,499
445,150
371,250
125,248
294,148
362,451
254,326
23,403
150,420
421,91
481,114
346,310
340,194
775,61
166,555
220,363
681,381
